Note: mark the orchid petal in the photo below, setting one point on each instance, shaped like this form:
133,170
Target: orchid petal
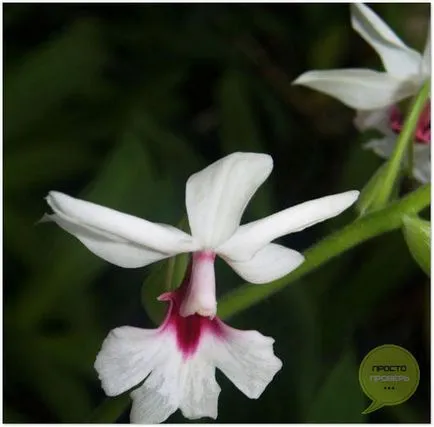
111,248
160,395
126,358
361,89
253,236
422,162
217,196
426,57
247,359
383,147
177,382
109,222
200,391
270,263
398,59
374,119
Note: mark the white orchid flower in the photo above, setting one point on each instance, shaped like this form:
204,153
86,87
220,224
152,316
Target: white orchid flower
215,198
405,69
375,94
178,362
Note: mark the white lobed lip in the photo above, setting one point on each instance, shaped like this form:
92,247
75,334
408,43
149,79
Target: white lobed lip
171,381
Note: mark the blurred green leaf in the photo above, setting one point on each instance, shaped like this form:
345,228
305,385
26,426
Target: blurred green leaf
40,164
18,228
417,233
110,410
305,363
329,47
122,177
340,398
64,66
170,151
239,128
67,396
356,303
164,277
152,288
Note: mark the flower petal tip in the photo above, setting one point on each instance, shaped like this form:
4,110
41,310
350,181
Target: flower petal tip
45,218
353,195
301,79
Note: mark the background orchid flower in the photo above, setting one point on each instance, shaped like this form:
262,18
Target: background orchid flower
364,89
215,198
389,121
374,94
178,362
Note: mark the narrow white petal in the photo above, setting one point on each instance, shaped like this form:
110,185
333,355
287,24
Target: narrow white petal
113,249
373,119
157,237
253,236
217,196
361,89
177,382
161,393
398,59
126,358
426,58
383,147
150,407
247,359
422,162
269,263
201,391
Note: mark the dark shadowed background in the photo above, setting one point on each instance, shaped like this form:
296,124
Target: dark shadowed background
119,104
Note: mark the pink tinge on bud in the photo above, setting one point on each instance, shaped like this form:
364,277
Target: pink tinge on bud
423,129
200,295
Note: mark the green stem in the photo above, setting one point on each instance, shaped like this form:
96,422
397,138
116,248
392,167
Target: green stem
405,138
363,229
410,160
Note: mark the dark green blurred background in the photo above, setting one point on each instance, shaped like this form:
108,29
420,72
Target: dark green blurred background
119,104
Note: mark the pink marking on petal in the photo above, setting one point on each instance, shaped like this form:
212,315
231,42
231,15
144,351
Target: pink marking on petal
188,330
204,255
396,119
423,129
